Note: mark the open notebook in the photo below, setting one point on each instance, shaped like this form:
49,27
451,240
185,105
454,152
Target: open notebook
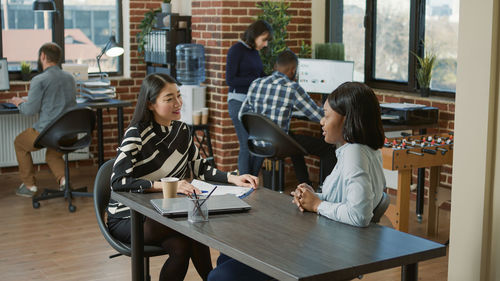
175,207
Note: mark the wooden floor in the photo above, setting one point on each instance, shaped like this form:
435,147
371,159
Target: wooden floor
50,243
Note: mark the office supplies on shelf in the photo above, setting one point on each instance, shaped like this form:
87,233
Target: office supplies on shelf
408,113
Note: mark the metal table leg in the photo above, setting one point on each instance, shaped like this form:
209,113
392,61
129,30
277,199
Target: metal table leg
100,142
409,272
137,245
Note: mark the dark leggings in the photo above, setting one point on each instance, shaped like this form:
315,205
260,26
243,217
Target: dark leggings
179,247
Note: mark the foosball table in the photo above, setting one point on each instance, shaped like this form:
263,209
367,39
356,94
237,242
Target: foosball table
406,153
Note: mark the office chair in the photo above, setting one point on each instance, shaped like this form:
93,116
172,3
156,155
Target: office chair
382,206
102,193
277,144
70,131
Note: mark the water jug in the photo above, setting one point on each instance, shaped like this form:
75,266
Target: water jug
190,65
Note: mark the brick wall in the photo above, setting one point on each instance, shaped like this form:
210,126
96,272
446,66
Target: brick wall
127,89
218,25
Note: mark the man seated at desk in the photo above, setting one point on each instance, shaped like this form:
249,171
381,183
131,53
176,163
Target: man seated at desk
277,96
51,93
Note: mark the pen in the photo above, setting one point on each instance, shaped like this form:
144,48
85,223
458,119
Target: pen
208,196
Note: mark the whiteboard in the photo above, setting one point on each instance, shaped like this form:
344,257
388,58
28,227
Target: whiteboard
324,76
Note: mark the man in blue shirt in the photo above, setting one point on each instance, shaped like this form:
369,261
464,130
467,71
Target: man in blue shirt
277,96
51,92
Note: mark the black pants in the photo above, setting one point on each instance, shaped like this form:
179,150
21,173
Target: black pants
318,147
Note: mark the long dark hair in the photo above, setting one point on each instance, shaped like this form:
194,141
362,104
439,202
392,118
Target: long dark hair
150,88
255,30
358,103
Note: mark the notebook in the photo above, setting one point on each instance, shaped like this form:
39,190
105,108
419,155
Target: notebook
177,207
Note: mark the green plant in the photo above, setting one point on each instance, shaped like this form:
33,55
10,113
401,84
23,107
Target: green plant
25,67
424,70
167,1
305,50
146,26
276,14
330,51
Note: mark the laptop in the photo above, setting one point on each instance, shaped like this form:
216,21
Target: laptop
177,207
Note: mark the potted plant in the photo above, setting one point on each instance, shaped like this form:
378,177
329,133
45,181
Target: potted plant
424,72
25,71
276,14
166,7
145,27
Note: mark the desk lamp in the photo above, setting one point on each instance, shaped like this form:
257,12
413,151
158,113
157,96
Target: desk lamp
112,49
44,6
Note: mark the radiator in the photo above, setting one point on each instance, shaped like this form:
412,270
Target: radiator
12,125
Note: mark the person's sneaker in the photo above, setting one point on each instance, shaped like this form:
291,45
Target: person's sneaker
62,185
24,191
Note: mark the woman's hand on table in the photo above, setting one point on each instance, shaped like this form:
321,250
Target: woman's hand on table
244,180
305,198
185,187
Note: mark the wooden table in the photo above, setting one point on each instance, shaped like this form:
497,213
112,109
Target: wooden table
277,239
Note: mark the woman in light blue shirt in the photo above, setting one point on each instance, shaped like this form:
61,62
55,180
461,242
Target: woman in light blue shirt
355,186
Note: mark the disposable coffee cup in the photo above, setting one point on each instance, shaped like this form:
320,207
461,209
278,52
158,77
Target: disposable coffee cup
196,117
204,115
169,186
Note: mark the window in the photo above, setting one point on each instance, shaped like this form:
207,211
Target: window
380,36
82,29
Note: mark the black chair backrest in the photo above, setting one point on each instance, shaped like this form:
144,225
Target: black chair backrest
65,133
382,206
102,193
261,128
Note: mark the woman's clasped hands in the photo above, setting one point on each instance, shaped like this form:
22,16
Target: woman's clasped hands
305,198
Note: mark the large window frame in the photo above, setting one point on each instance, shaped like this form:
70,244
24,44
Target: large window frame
416,45
58,36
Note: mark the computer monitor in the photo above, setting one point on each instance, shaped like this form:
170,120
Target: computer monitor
323,76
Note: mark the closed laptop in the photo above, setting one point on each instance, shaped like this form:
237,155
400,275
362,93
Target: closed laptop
177,207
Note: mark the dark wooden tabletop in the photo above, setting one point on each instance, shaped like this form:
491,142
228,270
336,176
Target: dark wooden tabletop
277,239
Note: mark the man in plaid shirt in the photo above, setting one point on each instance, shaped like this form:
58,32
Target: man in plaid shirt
277,96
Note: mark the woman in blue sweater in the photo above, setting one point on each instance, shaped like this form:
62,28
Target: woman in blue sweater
243,65
354,188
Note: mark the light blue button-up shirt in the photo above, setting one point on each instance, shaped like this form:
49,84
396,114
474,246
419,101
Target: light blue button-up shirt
355,186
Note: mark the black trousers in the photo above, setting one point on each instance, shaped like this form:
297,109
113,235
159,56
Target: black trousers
318,147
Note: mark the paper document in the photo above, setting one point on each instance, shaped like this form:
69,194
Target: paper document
222,189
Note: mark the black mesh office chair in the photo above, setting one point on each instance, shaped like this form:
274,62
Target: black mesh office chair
382,206
102,193
278,144
70,131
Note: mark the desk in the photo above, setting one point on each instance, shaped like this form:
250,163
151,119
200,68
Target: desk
98,106
286,244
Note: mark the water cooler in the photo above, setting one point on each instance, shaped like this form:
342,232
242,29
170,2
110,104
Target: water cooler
193,98
190,68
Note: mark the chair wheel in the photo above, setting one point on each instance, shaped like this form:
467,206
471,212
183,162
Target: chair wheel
72,208
36,205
